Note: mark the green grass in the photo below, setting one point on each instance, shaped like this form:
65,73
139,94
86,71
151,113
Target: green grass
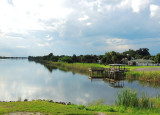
85,66
46,107
131,68
150,76
127,102
127,97
81,68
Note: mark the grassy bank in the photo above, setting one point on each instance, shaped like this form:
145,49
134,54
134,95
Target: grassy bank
82,68
149,76
46,107
127,103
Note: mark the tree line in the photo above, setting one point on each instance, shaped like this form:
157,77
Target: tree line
107,58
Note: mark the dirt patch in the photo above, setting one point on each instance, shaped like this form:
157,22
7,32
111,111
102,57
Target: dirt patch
147,69
100,113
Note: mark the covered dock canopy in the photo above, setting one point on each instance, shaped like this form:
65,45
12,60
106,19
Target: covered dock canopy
117,64
117,67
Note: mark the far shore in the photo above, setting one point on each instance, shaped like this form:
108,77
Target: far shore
145,73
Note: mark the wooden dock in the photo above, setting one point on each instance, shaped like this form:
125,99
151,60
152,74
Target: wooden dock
115,71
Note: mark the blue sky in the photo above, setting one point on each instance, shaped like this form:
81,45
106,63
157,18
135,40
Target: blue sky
38,27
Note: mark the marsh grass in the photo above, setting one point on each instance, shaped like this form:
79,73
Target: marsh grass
81,68
153,76
145,102
129,98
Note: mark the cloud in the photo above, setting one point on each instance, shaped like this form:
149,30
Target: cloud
42,44
138,5
118,44
115,41
21,46
154,11
89,23
26,15
87,26
122,47
83,18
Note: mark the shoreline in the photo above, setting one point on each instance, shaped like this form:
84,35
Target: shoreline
50,107
82,68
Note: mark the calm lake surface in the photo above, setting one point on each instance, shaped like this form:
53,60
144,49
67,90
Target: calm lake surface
30,80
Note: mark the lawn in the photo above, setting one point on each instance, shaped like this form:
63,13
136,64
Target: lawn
51,108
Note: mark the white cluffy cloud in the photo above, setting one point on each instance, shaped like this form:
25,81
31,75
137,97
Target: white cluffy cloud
24,15
138,5
154,11
84,18
135,5
59,26
118,44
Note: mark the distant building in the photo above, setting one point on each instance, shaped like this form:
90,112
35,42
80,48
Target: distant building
124,61
141,62
99,61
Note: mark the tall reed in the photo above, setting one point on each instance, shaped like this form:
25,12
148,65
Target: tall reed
129,97
153,76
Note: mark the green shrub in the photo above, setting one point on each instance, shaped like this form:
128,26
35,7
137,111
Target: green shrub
81,107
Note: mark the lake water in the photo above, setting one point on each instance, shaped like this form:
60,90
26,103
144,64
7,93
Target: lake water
30,80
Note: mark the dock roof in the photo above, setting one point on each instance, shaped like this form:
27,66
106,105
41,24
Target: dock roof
117,64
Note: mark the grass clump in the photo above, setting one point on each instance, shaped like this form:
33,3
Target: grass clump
127,97
145,102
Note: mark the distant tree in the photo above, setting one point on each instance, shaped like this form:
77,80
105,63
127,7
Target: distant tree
152,58
50,55
143,52
66,59
54,58
130,53
114,59
137,56
74,58
107,58
157,58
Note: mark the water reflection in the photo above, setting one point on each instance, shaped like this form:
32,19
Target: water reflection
118,83
20,78
112,83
